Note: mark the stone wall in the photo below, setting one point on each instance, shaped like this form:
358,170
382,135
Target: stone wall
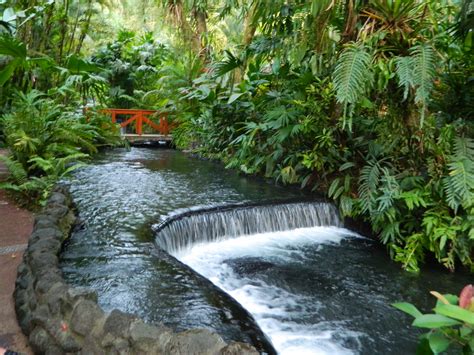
59,319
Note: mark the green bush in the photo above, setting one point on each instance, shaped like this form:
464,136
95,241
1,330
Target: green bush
47,141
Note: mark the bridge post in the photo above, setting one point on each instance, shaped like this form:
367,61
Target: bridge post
139,123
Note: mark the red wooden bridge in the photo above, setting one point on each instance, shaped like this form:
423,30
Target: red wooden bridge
160,132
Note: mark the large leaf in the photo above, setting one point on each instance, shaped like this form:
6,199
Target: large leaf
75,65
408,308
12,47
8,71
438,342
456,312
434,321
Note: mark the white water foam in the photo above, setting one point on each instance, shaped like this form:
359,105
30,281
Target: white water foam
274,308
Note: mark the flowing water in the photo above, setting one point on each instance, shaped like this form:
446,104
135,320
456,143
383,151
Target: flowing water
312,287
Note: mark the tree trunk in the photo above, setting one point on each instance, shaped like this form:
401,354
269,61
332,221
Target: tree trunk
249,27
63,26
201,33
73,33
249,32
84,29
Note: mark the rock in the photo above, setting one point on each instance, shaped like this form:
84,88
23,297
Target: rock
84,317
78,293
195,341
59,329
43,220
40,233
57,198
55,210
42,260
118,324
23,269
120,346
45,280
91,347
147,339
40,341
23,315
23,281
47,244
56,299
40,316
20,296
238,349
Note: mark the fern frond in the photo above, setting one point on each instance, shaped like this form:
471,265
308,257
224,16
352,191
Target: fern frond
18,174
424,70
45,165
464,147
390,190
405,74
459,184
351,74
368,181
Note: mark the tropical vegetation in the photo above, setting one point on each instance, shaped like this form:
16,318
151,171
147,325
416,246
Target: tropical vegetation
451,325
369,102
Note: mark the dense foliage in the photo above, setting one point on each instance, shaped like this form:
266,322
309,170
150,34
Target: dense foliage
44,85
368,101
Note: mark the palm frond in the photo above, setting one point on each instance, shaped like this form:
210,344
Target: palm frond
230,63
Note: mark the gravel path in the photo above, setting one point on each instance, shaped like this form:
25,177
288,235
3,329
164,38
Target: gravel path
15,227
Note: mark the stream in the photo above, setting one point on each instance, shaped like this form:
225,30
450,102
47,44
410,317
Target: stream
307,289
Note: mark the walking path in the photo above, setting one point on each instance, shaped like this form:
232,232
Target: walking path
15,227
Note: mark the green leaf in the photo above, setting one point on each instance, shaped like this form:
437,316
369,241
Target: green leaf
8,71
12,47
456,312
433,321
333,187
408,308
9,15
346,166
234,97
75,65
465,331
423,347
438,342
442,242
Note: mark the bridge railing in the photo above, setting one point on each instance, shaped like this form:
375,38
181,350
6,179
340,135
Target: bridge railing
139,117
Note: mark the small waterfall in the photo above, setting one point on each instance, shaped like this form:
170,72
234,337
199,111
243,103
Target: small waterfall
210,224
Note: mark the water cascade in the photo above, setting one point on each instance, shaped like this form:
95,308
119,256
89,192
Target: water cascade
183,230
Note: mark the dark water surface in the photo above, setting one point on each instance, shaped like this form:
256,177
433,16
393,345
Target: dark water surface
315,290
